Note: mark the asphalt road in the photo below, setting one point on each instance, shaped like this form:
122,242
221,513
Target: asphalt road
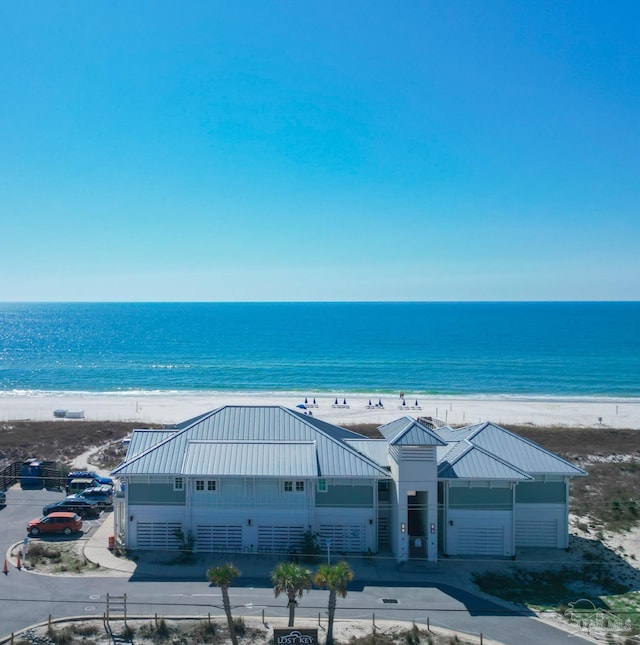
27,598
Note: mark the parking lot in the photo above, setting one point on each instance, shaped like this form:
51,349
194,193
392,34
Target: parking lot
25,505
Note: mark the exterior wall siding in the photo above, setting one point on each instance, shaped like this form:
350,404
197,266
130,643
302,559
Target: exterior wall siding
155,493
346,496
541,493
499,499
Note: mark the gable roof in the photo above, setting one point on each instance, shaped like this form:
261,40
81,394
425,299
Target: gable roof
466,461
334,457
144,439
406,431
375,449
276,441
251,458
521,454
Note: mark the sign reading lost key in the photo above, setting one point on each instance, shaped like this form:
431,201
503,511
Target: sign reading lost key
295,636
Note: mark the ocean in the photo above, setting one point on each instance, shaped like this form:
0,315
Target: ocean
555,350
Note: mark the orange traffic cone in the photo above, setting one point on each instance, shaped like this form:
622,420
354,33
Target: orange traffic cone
19,563
5,569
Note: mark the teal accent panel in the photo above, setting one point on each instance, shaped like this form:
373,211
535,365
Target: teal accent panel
155,494
346,497
541,493
496,499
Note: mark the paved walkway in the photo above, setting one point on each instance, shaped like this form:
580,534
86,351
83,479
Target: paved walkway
165,565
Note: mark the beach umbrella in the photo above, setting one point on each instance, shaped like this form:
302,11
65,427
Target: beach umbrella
416,403
344,402
380,402
369,402
336,403
314,400
305,399
404,402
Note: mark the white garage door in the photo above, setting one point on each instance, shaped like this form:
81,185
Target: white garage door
279,539
158,535
225,538
349,539
481,540
541,533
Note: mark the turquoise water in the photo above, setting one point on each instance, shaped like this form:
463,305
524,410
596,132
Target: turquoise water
486,349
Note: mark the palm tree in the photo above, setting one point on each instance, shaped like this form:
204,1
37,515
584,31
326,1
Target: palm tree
292,579
222,576
335,578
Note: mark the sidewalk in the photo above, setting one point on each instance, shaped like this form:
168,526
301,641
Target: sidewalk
96,550
255,567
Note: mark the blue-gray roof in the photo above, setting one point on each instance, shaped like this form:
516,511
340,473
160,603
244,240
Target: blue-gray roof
276,441
512,449
520,452
375,449
335,458
251,458
409,432
466,461
142,440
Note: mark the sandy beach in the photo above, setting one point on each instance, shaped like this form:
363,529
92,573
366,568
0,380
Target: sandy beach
169,407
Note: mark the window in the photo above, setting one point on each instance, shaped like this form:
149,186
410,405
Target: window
178,483
288,487
211,485
299,487
199,484
322,486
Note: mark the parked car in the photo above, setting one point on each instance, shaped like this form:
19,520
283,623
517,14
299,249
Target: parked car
80,484
88,474
101,495
79,505
66,523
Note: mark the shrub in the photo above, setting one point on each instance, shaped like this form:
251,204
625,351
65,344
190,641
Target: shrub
241,628
310,545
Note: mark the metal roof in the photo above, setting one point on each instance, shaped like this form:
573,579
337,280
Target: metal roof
520,452
466,461
251,458
255,440
335,457
406,431
375,449
142,440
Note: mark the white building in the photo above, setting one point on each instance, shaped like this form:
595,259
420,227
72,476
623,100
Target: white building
245,478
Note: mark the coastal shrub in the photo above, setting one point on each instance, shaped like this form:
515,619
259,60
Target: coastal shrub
158,632
41,552
62,636
411,636
187,545
310,545
241,628
203,632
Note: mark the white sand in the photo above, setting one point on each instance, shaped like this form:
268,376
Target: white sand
170,407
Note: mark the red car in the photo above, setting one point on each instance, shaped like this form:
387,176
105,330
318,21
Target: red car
65,523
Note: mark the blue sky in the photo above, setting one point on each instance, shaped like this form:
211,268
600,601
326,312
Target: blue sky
302,150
